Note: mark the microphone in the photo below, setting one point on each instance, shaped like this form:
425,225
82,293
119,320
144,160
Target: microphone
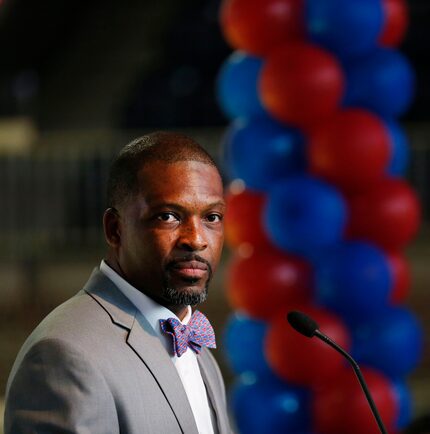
309,328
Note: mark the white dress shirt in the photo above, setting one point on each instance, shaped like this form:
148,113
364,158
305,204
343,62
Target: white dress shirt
186,365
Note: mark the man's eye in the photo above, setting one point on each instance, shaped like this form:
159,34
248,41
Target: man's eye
167,217
214,218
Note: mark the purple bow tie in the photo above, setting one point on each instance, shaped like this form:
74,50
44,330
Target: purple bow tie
196,334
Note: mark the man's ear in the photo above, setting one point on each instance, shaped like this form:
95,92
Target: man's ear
111,227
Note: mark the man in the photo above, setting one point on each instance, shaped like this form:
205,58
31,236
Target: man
126,355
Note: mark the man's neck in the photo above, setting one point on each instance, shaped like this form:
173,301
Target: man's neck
179,310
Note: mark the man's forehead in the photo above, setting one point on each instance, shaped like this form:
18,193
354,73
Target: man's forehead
156,169
180,178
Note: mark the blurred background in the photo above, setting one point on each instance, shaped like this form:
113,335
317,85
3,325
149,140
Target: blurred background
78,80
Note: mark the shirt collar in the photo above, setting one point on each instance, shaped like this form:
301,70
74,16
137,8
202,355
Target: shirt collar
149,308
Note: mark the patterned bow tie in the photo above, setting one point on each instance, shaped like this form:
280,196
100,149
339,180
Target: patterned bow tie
196,334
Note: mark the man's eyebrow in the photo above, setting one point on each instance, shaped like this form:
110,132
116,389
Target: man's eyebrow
173,205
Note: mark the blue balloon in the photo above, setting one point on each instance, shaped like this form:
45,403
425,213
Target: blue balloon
349,28
400,152
237,86
269,406
404,401
243,345
227,168
304,214
391,341
382,82
262,151
353,279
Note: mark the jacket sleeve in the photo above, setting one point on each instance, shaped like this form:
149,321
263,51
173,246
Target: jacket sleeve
56,389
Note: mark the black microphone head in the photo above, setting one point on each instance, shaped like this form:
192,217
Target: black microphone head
302,323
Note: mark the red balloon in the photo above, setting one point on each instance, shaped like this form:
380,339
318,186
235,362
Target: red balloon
351,150
267,281
243,221
258,26
301,83
341,407
388,215
401,272
301,360
396,22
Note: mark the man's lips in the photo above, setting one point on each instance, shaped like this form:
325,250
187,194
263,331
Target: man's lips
194,269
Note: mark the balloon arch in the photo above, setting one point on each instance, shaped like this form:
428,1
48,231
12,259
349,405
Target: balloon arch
321,216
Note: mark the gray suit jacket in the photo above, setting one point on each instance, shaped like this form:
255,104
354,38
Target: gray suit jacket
94,365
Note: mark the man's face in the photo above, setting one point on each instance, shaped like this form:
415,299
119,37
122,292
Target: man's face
171,232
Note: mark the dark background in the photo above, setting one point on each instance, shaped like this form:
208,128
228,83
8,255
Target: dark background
97,64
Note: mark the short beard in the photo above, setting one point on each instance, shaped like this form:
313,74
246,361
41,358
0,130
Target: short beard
184,298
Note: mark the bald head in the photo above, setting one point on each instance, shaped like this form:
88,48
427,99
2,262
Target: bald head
159,146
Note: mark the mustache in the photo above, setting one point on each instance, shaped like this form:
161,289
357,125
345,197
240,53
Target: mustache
187,258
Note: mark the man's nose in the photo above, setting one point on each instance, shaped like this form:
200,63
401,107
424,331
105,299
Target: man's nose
192,237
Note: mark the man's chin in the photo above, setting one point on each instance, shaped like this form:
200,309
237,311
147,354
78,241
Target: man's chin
187,294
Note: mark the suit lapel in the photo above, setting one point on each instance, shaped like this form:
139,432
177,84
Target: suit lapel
153,354
144,342
209,379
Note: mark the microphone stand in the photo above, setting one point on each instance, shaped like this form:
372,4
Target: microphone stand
359,375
